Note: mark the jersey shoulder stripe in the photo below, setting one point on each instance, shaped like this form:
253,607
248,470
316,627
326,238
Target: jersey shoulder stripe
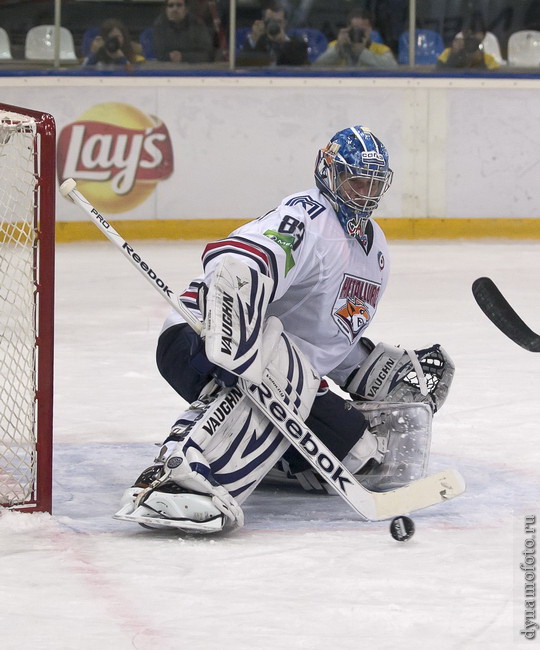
269,254
264,257
239,247
190,299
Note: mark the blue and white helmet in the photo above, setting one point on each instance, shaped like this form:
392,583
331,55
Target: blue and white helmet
352,171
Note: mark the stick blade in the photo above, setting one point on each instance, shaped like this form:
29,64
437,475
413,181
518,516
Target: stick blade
500,313
426,492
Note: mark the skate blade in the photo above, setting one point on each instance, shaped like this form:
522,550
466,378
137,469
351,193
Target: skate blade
140,516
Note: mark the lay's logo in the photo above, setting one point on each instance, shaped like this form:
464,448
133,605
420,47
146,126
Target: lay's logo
117,154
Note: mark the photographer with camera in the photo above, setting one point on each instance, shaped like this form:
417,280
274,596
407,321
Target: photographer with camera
354,47
474,47
268,42
467,51
113,46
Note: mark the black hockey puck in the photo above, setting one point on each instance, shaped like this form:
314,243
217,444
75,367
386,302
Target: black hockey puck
402,528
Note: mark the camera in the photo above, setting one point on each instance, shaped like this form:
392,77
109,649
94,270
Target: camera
471,44
357,35
273,28
112,44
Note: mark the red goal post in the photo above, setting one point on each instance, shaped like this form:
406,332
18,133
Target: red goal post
27,228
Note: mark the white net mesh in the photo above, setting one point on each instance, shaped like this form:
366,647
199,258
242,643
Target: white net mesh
18,243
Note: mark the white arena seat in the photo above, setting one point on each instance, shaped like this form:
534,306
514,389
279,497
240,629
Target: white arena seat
39,44
492,46
524,49
5,47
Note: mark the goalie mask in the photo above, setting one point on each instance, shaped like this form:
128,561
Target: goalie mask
352,171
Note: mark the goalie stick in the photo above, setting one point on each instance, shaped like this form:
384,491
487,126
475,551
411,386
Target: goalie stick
373,506
500,313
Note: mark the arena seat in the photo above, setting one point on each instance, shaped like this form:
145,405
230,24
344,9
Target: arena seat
315,39
146,39
88,37
39,44
524,48
429,45
5,46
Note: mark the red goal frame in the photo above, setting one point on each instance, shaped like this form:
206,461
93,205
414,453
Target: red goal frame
44,265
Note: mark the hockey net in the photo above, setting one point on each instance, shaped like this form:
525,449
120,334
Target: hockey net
27,189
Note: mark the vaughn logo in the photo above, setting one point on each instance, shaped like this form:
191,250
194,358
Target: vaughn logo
117,154
216,416
227,324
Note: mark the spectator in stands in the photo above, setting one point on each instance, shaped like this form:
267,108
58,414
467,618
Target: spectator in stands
214,14
181,37
113,46
268,42
354,47
489,41
467,52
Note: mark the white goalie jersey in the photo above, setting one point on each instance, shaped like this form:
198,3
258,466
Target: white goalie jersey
326,286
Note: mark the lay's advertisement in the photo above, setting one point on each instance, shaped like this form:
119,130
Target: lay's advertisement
170,157
117,154
175,155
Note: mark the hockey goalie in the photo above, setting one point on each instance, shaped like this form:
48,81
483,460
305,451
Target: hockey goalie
292,293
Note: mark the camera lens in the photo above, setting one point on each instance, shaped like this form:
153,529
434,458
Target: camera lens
272,28
357,35
471,44
112,44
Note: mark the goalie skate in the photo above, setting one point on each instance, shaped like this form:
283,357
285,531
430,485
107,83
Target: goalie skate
186,511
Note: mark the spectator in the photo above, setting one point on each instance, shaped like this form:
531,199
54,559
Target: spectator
180,37
114,46
467,52
269,43
213,13
489,41
354,47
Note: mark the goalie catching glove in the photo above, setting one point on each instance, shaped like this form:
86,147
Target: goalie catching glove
392,374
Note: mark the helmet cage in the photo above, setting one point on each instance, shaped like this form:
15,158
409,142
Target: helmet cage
358,187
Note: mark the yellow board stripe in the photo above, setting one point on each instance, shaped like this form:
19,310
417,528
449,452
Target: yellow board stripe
210,229
14,233
460,228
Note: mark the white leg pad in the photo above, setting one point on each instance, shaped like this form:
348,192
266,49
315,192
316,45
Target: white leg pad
232,445
226,447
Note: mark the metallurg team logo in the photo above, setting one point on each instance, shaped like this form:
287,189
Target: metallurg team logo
351,309
117,154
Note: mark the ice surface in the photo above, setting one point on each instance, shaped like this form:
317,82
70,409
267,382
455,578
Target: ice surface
304,573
